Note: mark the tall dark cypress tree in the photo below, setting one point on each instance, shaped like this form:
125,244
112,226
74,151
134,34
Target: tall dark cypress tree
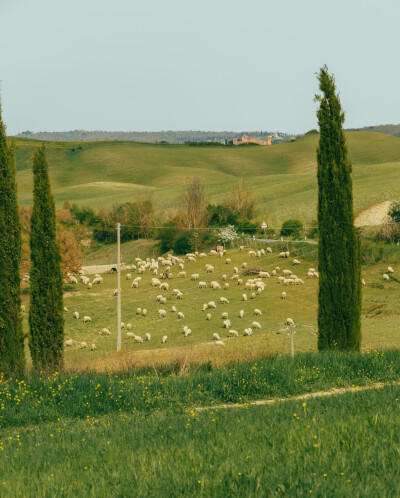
339,300
12,358
46,320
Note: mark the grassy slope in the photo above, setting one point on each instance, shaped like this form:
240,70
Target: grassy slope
379,320
139,435
278,173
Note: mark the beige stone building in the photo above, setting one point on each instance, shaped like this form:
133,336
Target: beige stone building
247,140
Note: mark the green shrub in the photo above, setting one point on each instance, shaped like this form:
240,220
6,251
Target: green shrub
292,228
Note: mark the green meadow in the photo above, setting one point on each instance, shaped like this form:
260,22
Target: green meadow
283,176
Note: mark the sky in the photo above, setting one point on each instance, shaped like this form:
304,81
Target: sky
195,65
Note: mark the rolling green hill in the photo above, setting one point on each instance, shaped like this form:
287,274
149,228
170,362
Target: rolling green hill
283,176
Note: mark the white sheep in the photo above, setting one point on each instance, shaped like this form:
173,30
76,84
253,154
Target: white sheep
296,262
244,264
208,317
105,331
240,281
283,295
202,285
180,315
173,309
73,280
187,332
248,332
138,339
115,293
66,309
164,339
162,313
83,345
130,335
164,286
219,343
216,337
97,280
22,308
252,295
363,282
226,324
233,333
256,325
128,326
68,343
148,336
212,304
225,315
182,274
269,250
228,261
223,300
194,276
226,286
128,276
244,297
241,248
134,285
92,347
289,321
163,300
76,315
241,313
122,325
144,312
257,312
252,253
386,277
390,269
205,307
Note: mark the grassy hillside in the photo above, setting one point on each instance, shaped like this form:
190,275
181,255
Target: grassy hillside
283,176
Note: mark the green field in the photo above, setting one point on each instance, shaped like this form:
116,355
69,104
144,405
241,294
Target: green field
380,315
283,176
143,435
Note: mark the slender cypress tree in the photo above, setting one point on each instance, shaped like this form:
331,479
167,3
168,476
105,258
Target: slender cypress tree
46,320
12,358
339,299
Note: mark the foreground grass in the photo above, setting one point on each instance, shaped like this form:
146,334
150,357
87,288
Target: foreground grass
46,399
327,447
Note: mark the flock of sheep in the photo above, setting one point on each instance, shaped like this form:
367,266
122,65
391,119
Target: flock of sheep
162,271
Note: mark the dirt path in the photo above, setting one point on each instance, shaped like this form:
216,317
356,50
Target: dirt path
317,394
374,215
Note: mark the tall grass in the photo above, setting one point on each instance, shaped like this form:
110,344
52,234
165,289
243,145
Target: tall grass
46,398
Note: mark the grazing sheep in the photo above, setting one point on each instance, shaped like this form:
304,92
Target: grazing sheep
209,268
194,276
269,250
179,296
182,274
202,285
212,304
240,281
248,332
216,337
241,248
155,282
219,343
187,333
257,312
213,252
173,309
97,280
215,286
105,331
202,255
296,262
115,293
130,335
256,325
205,307
224,277
122,325
76,315
390,269
22,308
191,259
92,347
162,313
386,277
164,339
228,261
244,297
83,345
68,343
226,324
241,313
235,277
233,333
252,253
287,273
226,286
180,315
128,326
282,254
223,300
235,269
289,321
138,339
253,295
134,285
128,276
225,315
283,296
148,336
164,286
244,264
89,285
73,280
163,300
208,317
66,309
363,283
144,312
264,274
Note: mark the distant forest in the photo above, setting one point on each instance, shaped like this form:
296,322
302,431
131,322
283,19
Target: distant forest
152,136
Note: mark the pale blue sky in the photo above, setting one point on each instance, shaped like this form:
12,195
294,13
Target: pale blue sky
200,65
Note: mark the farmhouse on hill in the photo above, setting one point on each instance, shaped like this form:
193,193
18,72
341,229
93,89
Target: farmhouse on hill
247,140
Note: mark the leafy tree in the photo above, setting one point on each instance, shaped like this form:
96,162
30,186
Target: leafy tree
46,320
193,206
183,243
291,228
12,359
71,256
227,234
394,211
339,299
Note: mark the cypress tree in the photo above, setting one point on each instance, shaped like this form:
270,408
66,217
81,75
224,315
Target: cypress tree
46,320
12,358
339,299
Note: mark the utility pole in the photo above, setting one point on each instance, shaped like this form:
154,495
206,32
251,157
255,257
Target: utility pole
119,287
